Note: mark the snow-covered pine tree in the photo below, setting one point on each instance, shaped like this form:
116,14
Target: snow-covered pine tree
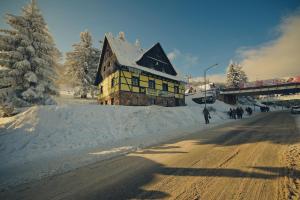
235,75
29,51
81,65
243,75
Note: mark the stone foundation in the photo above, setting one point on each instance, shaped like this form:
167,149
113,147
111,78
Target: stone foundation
112,99
138,99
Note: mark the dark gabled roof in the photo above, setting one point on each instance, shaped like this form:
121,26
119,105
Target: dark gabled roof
155,58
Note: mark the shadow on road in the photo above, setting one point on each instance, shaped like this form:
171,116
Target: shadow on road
132,186
158,152
269,172
166,147
277,128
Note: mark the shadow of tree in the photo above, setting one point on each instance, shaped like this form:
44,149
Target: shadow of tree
166,147
281,171
272,172
158,152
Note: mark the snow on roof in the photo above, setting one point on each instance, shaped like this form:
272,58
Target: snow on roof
128,54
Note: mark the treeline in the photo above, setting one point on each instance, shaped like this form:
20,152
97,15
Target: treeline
31,67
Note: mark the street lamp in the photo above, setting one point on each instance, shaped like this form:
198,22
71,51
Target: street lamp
205,81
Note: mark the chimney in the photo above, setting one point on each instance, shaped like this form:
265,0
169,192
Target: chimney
122,35
137,43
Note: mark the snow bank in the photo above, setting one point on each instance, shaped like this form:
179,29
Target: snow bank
297,119
47,140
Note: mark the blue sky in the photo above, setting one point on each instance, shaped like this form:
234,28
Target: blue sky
196,33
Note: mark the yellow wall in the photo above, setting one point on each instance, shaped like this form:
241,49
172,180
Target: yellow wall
106,84
125,84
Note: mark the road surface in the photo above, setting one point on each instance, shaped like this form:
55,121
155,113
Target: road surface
256,158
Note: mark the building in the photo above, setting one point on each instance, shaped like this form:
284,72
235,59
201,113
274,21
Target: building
129,75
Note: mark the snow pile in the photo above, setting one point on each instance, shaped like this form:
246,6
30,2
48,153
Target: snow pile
47,140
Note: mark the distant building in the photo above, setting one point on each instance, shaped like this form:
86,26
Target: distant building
129,75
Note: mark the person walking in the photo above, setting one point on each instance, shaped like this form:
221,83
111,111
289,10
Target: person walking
206,115
234,113
238,112
242,112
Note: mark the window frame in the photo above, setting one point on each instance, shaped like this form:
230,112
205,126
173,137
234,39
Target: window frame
137,79
176,89
149,85
165,87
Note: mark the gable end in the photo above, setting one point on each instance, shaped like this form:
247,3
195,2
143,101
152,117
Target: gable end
155,58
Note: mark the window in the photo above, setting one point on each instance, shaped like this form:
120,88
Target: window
151,84
112,82
165,87
135,81
176,89
142,90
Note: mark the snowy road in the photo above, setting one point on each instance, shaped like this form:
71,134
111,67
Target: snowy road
257,158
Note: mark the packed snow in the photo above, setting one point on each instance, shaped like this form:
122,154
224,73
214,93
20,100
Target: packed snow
47,140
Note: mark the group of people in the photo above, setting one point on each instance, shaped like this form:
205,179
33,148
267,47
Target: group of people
236,113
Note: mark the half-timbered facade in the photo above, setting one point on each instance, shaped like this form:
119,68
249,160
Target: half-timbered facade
129,75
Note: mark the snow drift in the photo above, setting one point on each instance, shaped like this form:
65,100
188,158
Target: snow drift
47,140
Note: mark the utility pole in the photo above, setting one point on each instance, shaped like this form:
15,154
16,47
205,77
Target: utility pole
205,81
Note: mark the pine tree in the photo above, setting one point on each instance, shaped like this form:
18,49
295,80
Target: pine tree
235,75
28,50
81,65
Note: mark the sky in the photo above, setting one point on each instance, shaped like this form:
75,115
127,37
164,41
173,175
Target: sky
262,35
